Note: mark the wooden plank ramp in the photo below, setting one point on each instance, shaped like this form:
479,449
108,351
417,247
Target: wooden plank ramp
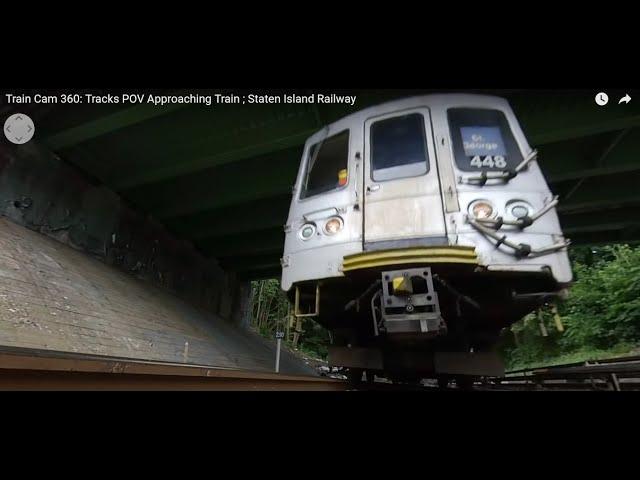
55,298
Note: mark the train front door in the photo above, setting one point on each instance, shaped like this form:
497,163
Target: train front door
402,196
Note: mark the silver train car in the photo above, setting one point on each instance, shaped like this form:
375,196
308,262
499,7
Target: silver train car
418,229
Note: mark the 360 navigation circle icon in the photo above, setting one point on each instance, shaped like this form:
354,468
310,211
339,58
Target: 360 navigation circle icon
19,128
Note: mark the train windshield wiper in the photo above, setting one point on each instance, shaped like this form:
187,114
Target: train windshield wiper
501,175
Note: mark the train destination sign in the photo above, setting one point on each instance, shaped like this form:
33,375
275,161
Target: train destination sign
482,141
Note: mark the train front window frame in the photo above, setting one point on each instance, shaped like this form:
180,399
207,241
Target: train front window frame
399,168
482,140
325,156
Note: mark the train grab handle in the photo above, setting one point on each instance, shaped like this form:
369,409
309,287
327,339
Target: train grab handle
503,176
521,249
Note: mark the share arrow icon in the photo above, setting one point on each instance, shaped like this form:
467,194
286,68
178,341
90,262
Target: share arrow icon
625,99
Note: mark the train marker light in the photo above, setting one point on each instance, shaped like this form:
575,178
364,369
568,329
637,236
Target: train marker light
342,177
519,211
307,231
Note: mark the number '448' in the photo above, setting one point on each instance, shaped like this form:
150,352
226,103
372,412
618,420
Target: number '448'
489,161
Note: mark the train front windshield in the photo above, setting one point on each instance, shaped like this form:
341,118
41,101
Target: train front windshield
399,148
326,168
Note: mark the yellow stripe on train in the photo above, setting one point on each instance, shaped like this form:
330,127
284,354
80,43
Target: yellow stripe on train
463,255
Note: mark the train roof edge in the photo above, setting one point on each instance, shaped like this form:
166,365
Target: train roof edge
415,101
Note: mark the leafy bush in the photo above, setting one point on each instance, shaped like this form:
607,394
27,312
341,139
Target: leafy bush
602,312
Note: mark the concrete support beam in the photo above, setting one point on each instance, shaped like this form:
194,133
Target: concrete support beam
259,241
582,129
593,172
246,217
42,193
268,273
246,263
614,219
602,194
273,138
606,154
260,178
108,124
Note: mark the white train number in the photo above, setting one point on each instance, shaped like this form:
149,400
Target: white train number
497,161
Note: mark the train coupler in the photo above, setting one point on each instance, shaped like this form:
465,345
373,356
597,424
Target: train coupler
409,303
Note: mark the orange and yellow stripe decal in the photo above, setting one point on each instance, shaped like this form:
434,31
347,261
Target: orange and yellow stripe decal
424,255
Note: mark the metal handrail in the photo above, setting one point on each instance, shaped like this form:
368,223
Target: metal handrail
296,310
522,249
504,175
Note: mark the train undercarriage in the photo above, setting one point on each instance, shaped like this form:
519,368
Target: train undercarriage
407,322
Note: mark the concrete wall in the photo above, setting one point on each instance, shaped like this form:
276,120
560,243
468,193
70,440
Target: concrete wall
43,193
53,297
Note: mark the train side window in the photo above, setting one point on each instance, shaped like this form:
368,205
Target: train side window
482,140
399,148
326,168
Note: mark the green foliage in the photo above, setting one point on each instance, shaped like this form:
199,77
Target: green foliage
270,313
602,313
269,307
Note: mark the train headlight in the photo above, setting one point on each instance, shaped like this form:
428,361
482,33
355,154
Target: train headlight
333,226
481,209
307,231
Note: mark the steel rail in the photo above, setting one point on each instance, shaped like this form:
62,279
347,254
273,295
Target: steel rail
34,369
620,373
27,369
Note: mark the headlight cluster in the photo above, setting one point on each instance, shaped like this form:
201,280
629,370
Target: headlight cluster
332,226
483,209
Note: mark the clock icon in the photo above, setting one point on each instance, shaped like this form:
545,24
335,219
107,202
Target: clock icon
602,99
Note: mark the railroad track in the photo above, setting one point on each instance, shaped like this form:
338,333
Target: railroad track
617,374
27,369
